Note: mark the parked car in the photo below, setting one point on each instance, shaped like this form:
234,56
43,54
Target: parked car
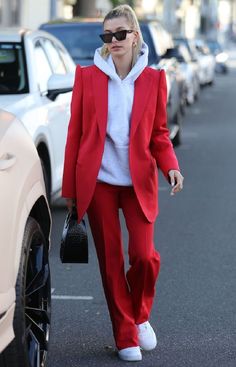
81,38
159,41
36,81
221,56
189,70
25,224
204,61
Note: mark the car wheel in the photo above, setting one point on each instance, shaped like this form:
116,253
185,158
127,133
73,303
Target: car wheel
183,107
196,95
46,180
177,124
33,303
197,91
225,70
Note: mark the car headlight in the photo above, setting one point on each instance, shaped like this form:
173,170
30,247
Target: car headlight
222,57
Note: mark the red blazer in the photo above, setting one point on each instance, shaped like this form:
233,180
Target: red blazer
150,146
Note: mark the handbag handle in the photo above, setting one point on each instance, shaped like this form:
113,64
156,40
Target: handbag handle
72,215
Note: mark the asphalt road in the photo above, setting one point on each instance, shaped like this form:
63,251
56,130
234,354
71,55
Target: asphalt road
195,305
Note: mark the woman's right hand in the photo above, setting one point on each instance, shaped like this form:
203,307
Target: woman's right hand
70,203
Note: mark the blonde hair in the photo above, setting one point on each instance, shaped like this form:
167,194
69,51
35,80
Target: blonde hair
127,12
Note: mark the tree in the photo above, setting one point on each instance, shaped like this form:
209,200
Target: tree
118,2
85,8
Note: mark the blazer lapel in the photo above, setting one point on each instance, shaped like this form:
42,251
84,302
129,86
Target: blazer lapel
100,90
142,91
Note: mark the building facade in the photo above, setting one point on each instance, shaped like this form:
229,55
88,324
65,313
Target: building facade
24,13
187,17
31,13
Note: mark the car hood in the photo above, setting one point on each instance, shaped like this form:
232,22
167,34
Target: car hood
13,103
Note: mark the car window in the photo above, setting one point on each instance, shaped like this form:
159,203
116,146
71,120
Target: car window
161,38
185,53
54,57
13,76
69,64
190,47
153,58
214,46
202,48
44,70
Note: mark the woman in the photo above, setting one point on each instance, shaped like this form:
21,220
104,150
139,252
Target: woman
117,135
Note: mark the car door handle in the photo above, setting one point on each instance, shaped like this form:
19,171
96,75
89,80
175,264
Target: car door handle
7,160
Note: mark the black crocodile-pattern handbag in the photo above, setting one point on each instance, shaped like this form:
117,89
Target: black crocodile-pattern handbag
74,241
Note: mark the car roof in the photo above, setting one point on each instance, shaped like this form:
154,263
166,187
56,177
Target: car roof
72,22
176,37
16,34
12,34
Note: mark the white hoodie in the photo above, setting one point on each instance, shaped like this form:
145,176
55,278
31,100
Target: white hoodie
115,161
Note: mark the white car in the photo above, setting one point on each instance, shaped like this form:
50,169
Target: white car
200,55
36,80
25,225
189,71
206,61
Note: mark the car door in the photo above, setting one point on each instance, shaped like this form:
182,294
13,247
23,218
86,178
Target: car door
58,110
17,158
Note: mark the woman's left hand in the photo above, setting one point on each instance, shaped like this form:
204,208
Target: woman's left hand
176,181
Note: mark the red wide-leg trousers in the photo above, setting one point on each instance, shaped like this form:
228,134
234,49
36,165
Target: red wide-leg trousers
129,296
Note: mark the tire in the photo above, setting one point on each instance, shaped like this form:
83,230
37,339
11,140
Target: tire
33,303
197,92
177,139
177,121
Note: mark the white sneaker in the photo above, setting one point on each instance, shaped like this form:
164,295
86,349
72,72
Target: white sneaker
147,337
130,354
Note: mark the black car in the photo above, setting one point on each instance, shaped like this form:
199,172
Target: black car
81,38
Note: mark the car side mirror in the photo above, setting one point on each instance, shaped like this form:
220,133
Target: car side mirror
180,58
59,83
170,52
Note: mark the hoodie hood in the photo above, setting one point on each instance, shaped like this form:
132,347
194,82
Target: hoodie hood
108,67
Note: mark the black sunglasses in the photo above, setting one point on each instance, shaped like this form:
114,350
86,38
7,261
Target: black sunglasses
119,35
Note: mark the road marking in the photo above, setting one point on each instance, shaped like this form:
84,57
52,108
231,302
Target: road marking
163,188
74,298
63,297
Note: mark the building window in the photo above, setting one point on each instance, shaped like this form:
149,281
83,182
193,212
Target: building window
15,11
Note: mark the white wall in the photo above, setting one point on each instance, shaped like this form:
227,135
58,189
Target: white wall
103,6
34,13
30,13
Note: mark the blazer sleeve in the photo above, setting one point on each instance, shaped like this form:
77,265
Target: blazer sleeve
73,138
161,146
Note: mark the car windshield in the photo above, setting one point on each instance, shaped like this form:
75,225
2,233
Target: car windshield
190,47
80,41
13,78
153,58
214,46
